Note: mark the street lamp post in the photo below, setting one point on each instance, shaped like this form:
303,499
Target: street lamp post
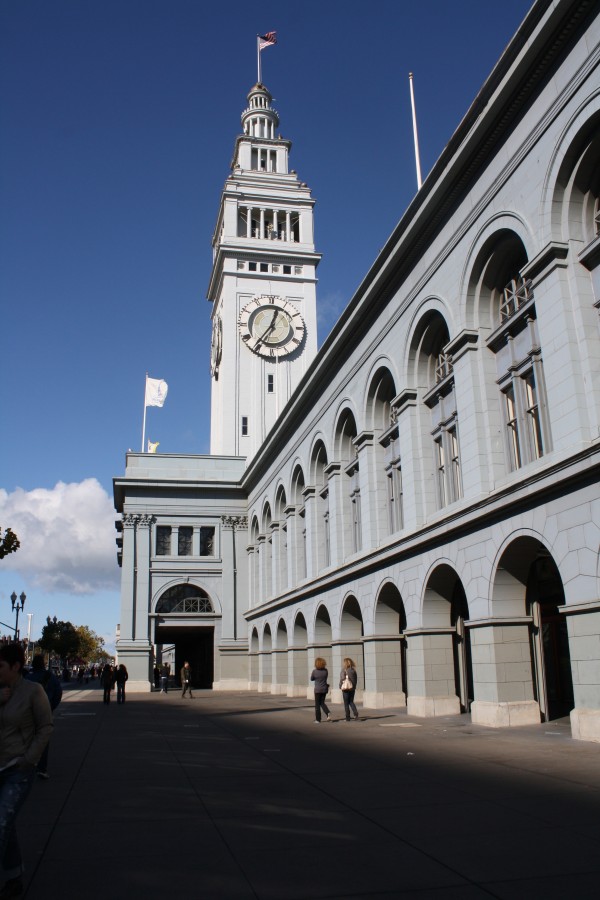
17,607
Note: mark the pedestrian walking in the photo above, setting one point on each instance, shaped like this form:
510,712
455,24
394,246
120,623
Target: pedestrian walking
48,680
156,674
121,677
25,729
320,676
348,680
107,680
186,679
165,671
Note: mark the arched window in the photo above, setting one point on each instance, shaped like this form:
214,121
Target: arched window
350,512
184,598
382,416
436,367
516,347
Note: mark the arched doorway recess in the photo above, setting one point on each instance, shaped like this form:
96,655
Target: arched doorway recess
385,652
184,631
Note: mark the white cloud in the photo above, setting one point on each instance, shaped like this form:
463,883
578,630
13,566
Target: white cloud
67,537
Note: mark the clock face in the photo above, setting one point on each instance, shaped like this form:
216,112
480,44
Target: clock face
216,346
271,326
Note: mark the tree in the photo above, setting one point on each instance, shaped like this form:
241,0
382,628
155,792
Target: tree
9,542
90,645
60,638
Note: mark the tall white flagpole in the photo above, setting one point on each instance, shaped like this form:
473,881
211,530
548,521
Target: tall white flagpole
416,137
144,425
258,55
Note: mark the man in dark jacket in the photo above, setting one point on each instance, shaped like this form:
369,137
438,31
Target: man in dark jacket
41,675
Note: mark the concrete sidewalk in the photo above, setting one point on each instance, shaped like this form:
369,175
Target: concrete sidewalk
240,795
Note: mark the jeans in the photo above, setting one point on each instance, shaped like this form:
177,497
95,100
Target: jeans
187,686
120,692
15,784
163,683
349,703
320,704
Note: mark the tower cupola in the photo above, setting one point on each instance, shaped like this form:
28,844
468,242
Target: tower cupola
259,119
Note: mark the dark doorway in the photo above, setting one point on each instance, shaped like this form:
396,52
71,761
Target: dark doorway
550,639
461,646
194,645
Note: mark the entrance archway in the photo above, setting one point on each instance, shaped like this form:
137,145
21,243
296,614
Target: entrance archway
527,582
184,620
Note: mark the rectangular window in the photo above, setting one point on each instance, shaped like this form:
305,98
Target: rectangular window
264,267
441,472
207,541
184,540
244,426
533,416
456,485
163,540
513,429
270,384
287,270
252,266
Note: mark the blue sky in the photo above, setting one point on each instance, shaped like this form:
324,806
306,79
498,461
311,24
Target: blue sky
118,124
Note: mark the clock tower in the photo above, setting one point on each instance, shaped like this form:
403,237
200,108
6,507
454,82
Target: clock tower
262,286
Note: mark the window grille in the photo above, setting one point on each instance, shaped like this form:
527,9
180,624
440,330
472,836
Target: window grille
184,598
443,366
184,540
516,294
163,540
207,540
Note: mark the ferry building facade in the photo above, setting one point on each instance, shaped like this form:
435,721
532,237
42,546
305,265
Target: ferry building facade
422,492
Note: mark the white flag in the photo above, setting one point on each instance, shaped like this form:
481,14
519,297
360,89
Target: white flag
156,391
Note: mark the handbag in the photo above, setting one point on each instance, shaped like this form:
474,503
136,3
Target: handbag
347,684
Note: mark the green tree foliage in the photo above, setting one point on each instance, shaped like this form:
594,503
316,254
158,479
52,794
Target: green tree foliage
90,645
72,643
9,542
59,638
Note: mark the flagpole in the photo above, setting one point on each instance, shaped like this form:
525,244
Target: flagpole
144,425
415,135
258,56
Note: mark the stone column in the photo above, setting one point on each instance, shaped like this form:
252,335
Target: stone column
371,527
502,673
292,538
279,683
430,667
312,553
134,648
383,671
297,672
275,562
413,477
264,671
336,526
583,623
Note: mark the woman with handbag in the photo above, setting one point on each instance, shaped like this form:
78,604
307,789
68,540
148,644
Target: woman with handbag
348,679
319,676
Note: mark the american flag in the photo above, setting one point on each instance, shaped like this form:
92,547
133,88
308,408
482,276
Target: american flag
267,40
